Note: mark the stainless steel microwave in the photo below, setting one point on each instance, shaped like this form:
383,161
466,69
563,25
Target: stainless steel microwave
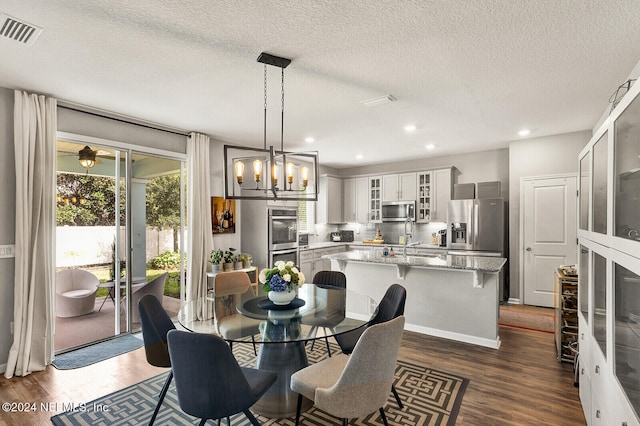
398,211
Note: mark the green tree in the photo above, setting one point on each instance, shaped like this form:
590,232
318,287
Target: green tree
163,204
98,193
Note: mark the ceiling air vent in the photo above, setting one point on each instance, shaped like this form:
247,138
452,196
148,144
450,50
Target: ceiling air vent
17,30
382,100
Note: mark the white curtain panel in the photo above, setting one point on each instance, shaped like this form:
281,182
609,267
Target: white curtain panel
35,123
199,232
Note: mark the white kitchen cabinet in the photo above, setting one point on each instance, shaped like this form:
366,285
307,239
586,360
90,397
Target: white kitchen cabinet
311,261
441,194
399,187
609,248
356,204
330,200
375,199
434,192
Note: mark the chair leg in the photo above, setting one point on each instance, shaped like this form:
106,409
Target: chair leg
231,346
202,422
326,339
395,393
228,421
251,418
298,409
163,393
345,422
384,417
253,340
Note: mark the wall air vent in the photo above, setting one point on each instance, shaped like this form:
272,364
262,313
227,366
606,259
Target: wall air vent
17,30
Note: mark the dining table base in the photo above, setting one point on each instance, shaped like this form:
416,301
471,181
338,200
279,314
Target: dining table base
285,359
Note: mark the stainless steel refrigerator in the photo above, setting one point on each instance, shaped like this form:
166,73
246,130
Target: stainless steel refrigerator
476,227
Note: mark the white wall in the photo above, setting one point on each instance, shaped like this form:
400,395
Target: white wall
7,220
549,155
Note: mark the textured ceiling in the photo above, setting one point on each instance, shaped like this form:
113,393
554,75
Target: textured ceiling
469,74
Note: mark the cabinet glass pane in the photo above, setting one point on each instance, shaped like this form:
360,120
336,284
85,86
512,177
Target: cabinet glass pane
600,301
627,172
583,283
585,172
627,333
600,185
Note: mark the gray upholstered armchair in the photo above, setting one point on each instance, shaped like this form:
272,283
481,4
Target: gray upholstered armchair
357,385
75,292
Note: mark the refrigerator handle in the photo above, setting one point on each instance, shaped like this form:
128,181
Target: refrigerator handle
476,225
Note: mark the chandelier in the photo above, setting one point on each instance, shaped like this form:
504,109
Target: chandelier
270,173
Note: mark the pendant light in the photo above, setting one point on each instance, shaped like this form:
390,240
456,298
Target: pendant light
87,157
275,174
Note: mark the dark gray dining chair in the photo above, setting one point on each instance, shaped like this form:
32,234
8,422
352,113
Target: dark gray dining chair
155,325
391,306
324,279
209,382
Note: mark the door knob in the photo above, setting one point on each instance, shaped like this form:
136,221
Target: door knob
528,248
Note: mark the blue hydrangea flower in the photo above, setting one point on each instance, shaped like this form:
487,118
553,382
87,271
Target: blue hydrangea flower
277,283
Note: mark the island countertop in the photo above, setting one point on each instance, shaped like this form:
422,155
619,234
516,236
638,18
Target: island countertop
439,261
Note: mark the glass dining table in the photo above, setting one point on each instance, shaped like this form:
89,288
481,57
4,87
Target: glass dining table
280,332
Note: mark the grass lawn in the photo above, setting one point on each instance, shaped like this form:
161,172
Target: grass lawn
171,286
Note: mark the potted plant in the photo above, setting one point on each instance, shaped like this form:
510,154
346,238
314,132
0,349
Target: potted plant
228,259
215,259
237,262
281,282
246,260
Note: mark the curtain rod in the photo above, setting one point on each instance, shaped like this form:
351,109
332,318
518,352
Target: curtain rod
123,121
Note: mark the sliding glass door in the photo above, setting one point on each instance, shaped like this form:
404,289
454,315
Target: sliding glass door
119,217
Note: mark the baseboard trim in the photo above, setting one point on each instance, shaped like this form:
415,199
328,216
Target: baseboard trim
465,338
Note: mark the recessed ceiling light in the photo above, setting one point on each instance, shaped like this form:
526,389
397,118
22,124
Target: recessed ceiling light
359,157
524,132
410,128
430,146
309,139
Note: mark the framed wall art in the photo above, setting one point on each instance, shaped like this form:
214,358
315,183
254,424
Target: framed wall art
223,215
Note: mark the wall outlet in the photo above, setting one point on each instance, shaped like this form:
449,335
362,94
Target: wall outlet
7,250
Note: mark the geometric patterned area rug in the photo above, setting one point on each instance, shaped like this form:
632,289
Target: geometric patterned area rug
430,397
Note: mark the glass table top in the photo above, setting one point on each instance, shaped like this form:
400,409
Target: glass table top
240,316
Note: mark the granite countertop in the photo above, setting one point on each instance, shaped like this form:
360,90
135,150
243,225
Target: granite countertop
440,261
326,244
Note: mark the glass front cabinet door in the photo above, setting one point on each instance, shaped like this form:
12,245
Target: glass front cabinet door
609,268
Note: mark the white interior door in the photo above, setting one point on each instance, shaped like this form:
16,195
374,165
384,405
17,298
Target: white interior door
548,207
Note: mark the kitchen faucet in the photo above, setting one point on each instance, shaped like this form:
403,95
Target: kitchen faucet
407,235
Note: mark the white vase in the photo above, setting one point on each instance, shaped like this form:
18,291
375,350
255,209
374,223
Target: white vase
281,297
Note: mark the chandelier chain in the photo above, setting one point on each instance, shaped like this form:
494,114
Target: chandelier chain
264,132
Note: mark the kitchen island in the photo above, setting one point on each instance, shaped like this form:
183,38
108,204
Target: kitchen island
450,296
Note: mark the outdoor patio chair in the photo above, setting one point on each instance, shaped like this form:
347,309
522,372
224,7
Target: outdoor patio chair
75,292
154,287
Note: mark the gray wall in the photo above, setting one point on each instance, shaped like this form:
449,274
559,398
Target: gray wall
7,220
99,127
557,154
473,167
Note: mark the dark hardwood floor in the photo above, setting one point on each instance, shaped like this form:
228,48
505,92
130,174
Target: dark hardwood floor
522,383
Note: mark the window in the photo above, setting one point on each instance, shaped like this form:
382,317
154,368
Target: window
307,212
